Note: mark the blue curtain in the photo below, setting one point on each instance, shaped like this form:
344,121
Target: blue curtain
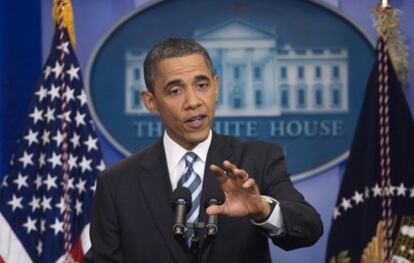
20,69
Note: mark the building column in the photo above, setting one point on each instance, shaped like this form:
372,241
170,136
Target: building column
249,95
326,82
224,73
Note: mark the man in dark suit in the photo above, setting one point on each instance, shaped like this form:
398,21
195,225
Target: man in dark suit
132,216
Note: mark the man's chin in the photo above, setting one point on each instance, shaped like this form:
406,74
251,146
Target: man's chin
195,139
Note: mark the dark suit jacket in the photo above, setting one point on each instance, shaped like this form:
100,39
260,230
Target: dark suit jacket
132,216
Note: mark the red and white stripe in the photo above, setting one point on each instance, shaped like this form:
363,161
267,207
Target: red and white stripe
12,251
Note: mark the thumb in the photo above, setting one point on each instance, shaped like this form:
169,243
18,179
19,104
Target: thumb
215,210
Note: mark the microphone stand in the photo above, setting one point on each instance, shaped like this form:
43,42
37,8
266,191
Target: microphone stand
196,249
195,245
210,237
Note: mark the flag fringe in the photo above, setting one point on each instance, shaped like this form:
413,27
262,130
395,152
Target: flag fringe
387,24
67,16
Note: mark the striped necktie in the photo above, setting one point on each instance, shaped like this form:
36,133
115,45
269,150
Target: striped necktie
191,180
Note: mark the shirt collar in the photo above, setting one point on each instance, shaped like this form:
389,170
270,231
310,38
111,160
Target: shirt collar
174,152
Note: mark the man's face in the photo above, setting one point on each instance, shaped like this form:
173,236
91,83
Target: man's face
185,94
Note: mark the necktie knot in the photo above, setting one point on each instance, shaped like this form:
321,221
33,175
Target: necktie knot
190,158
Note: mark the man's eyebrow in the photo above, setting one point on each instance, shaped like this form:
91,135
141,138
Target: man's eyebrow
201,77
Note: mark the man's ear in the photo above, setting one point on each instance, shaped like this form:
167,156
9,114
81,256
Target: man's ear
148,99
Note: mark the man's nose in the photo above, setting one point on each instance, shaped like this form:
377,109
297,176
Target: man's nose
192,99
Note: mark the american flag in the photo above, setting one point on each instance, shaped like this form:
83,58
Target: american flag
46,196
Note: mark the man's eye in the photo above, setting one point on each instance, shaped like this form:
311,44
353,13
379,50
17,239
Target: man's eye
175,91
202,85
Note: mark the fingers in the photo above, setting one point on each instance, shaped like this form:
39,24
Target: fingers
220,173
215,210
249,183
217,170
229,166
235,172
231,172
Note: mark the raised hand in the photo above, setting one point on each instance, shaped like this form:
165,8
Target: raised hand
241,192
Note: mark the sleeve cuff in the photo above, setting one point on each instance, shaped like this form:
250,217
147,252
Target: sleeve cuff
273,225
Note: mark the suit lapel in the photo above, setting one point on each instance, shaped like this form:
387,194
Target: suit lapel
156,186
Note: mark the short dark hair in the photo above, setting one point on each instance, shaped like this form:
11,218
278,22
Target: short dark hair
171,48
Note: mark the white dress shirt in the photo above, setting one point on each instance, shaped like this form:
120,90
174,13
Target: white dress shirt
176,165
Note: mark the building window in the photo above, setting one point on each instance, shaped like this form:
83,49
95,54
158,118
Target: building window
301,72
317,51
336,95
318,99
136,96
283,52
283,73
335,72
237,97
237,102
258,97
284,96
236,72
318,72
257,73
137,73
301,96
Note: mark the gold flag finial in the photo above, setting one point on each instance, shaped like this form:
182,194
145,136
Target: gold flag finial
63,13
387,24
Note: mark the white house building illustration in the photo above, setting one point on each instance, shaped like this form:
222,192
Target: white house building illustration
257,76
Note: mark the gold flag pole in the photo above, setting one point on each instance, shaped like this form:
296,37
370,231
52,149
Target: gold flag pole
63,16
67,18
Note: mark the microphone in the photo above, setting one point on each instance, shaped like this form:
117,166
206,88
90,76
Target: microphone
181,204
212,226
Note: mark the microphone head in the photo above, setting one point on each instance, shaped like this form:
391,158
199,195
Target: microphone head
216,199
181,195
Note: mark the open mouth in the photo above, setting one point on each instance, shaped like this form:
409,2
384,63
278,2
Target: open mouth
196,121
